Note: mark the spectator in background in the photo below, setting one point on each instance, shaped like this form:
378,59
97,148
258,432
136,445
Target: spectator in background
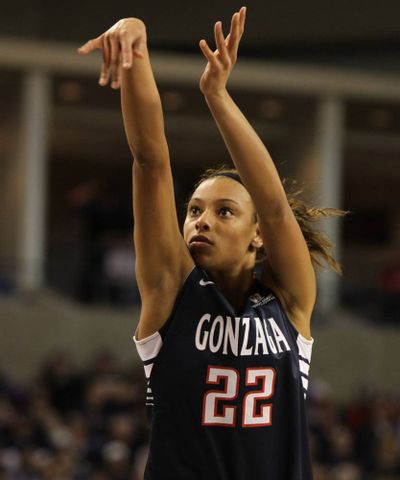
63,383
103,219
119,272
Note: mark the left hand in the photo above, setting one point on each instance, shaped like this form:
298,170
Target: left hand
221,62
120,44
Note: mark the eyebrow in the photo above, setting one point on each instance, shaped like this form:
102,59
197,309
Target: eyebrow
219,200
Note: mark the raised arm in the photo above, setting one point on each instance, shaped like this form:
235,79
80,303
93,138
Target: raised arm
162,258
288,267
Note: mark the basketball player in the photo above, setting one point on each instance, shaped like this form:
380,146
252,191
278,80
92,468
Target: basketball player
226,355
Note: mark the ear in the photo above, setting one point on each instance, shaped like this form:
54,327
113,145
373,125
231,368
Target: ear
257,241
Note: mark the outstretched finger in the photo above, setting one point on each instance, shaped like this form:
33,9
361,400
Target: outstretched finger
242,13
233,38
208,53
220,42
117,83
90,45
105,67
126,50
114,59
237,29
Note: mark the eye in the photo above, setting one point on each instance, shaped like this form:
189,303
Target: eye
225,211
193,210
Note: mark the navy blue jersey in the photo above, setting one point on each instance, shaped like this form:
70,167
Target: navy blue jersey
226,390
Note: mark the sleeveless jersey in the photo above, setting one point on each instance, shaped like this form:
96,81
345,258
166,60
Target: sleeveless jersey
226,391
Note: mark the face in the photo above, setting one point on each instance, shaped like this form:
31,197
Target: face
220,228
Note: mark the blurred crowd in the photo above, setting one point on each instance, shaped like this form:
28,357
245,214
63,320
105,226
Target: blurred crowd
91,424
71,424
358,440
103,220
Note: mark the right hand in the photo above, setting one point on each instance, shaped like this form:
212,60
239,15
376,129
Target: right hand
120,43
222,61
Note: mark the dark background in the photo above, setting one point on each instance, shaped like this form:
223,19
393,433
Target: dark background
328,32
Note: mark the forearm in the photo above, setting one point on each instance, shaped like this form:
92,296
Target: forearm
142,111
126,58
249,154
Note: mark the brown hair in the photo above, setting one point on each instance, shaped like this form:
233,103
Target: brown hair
318,243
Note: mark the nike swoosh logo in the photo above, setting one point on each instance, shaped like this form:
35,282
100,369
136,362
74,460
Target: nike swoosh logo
203,282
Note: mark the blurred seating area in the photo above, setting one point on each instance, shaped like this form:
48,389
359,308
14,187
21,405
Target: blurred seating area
89,423
357,440
74,423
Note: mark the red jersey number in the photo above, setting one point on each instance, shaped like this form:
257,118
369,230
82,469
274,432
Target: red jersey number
230,378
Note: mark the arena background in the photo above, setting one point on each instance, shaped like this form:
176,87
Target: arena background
320,82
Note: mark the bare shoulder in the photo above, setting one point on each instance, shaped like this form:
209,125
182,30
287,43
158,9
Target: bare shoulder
300,318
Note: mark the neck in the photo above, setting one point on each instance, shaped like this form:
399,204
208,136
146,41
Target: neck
234,284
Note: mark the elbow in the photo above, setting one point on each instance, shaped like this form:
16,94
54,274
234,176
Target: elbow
147,150
149,157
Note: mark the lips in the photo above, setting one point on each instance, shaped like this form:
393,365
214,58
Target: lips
200,238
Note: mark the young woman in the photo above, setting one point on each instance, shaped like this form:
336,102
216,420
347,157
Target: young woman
226,355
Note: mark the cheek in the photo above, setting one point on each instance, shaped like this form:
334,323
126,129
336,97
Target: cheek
186,228
236,236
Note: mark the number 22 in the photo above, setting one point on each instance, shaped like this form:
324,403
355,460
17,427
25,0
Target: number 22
231,376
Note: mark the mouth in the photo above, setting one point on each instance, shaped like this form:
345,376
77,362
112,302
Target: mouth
200,240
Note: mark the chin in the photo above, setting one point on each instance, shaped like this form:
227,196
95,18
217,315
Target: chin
207,263
201,260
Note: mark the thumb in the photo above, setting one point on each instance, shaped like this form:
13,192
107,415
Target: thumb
139,47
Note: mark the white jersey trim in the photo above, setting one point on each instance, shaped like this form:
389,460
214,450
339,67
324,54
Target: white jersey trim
305,346
305,350
148,348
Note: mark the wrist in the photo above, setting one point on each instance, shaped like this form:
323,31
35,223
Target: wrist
216,95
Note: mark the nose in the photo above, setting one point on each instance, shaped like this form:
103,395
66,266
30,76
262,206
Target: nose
202,223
